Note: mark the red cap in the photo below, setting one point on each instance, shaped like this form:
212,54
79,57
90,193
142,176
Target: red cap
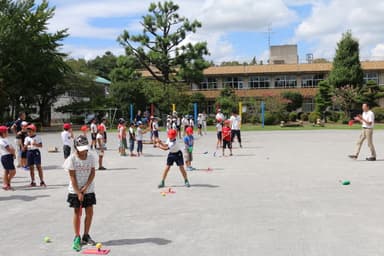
84,128
172,134
67,126
101,128
32,127
3,129
189,130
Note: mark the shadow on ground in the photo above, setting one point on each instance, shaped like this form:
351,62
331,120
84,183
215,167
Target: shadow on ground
152,240
21,198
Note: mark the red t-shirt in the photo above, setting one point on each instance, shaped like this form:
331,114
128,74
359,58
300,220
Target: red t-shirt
226,133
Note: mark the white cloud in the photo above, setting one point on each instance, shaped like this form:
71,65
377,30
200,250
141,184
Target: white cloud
378,52
219,17
88,53
328,20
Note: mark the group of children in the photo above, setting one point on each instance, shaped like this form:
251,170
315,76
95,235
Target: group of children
28,150
81,165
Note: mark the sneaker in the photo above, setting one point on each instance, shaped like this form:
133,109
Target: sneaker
353,157
33,184
189,168
241,146
372,158
42,184
187,184
88,240
102,168
76,244
161,185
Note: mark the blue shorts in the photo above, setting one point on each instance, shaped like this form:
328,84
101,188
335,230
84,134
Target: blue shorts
7,162
175,157
33,157
156,134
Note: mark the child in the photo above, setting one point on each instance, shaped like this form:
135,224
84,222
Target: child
20,136
84,129
100,145
199,124
188,148
81,193
155,131
103,123
66,137
132,138
93,133
139,138
175,155
219,128
32,144
7,156
227,136
122,131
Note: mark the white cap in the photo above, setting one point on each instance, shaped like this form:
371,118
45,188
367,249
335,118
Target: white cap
24,123
82,148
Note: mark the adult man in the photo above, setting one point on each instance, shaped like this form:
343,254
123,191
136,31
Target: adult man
235,127
367,119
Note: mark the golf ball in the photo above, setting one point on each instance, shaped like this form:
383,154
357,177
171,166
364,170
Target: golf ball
98,245
47,239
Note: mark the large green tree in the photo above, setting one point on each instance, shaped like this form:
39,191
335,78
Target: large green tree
104,65
32,67
346,68
161,48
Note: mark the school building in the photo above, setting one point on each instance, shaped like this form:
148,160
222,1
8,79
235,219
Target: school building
259,81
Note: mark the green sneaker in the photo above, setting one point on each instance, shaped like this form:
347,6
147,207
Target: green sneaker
187,184
161,185
77,244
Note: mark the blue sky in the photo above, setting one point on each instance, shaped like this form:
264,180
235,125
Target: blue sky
234,30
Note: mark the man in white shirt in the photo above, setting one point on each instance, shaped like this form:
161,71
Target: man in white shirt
367,119
235,127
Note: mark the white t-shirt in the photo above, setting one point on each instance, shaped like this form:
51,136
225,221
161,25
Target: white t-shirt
219,127
155,126
139,135
235,122
220,116
82,170
4,144
93,128
66,138
173,146
32,140
370,117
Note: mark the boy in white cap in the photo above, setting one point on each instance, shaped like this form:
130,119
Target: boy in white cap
81,189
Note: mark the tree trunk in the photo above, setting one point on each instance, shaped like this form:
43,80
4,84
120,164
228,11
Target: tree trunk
45,114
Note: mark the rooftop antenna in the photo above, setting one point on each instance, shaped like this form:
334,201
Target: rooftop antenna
269,31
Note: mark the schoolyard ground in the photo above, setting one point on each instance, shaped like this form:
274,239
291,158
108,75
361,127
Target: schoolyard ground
281,194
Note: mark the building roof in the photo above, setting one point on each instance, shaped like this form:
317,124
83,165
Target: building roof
102,80
284,68
279,68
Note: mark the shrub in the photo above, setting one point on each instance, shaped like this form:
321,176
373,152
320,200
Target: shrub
313,116
304,117
292,116
334,116
269,118
210,121
379,113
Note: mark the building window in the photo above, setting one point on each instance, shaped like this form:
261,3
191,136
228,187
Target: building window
233,82
311,81
371,76
259,82
209,83
285,82
308,105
